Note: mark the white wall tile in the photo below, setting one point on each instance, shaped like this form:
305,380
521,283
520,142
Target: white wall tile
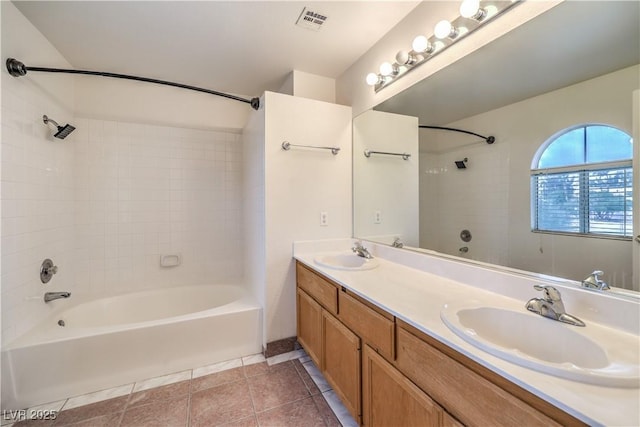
161,193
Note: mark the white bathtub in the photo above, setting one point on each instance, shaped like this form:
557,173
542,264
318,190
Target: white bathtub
118,340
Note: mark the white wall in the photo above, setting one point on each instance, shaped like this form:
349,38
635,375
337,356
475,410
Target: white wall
37,177
142,191
495,189
351,88
253,137
139,102
298,185
311,86
386,184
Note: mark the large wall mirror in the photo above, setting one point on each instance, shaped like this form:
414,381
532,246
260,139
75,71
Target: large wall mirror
577,64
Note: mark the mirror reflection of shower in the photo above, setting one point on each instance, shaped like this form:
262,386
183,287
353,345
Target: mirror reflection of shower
461,164
62,131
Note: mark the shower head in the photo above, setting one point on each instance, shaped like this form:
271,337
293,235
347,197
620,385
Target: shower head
461,164
63,131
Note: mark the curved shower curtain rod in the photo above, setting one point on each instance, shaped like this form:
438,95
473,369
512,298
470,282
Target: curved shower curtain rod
488,139
17,69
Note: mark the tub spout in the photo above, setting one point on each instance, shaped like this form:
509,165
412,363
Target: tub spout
50,296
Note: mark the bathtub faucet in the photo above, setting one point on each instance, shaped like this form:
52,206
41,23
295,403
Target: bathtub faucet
50,296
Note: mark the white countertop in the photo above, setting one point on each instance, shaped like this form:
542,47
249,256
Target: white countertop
416,296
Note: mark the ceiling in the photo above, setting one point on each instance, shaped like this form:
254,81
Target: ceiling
570,43
241,47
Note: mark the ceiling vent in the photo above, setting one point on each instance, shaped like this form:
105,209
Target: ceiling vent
310,19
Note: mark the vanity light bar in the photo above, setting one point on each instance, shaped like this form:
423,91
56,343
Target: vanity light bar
473,15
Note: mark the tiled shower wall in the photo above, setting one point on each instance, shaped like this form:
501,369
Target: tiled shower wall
475,199
109,199
106,202
143,191
37,191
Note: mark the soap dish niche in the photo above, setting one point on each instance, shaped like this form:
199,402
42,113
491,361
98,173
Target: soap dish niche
170,260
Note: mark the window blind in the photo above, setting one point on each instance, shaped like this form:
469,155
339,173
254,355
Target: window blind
585,202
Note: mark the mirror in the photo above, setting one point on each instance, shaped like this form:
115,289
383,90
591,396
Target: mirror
577,63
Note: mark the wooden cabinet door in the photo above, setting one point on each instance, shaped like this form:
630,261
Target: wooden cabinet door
341,362
375,329
309,323
449,421
390,399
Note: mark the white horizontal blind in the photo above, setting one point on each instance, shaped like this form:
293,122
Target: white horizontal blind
584,202
610,202
558,202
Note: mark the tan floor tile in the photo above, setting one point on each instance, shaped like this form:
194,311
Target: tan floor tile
306,378
294,414
244,422
325,411
93,410
221,404
277,388
170,391
216,379
110,420
33,423
164,413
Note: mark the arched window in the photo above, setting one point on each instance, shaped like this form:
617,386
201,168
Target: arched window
581,182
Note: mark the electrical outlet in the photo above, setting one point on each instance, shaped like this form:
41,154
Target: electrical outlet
324,219
377,217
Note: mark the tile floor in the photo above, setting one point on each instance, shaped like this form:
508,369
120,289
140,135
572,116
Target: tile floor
284,390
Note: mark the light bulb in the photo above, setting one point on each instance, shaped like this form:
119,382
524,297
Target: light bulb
372,79
444,29
469,8
420,44
386,69
405,58
490,11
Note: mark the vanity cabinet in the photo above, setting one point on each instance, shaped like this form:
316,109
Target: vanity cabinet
471,398
388,373
309,325
374,326
341,362
390,399
332,346
319,288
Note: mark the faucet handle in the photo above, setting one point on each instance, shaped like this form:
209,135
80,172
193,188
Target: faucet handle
550,293
47,270
595,282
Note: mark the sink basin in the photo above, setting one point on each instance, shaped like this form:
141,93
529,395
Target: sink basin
346,261
592,354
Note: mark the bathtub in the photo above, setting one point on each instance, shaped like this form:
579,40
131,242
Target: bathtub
122,339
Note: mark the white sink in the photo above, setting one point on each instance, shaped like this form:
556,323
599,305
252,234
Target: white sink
593,354
346,261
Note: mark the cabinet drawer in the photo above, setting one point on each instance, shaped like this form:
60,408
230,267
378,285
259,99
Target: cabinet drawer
469,397
374,328
325,292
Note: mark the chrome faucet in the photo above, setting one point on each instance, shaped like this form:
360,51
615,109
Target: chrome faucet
594,281
397,243
551,306
360,250
50,296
